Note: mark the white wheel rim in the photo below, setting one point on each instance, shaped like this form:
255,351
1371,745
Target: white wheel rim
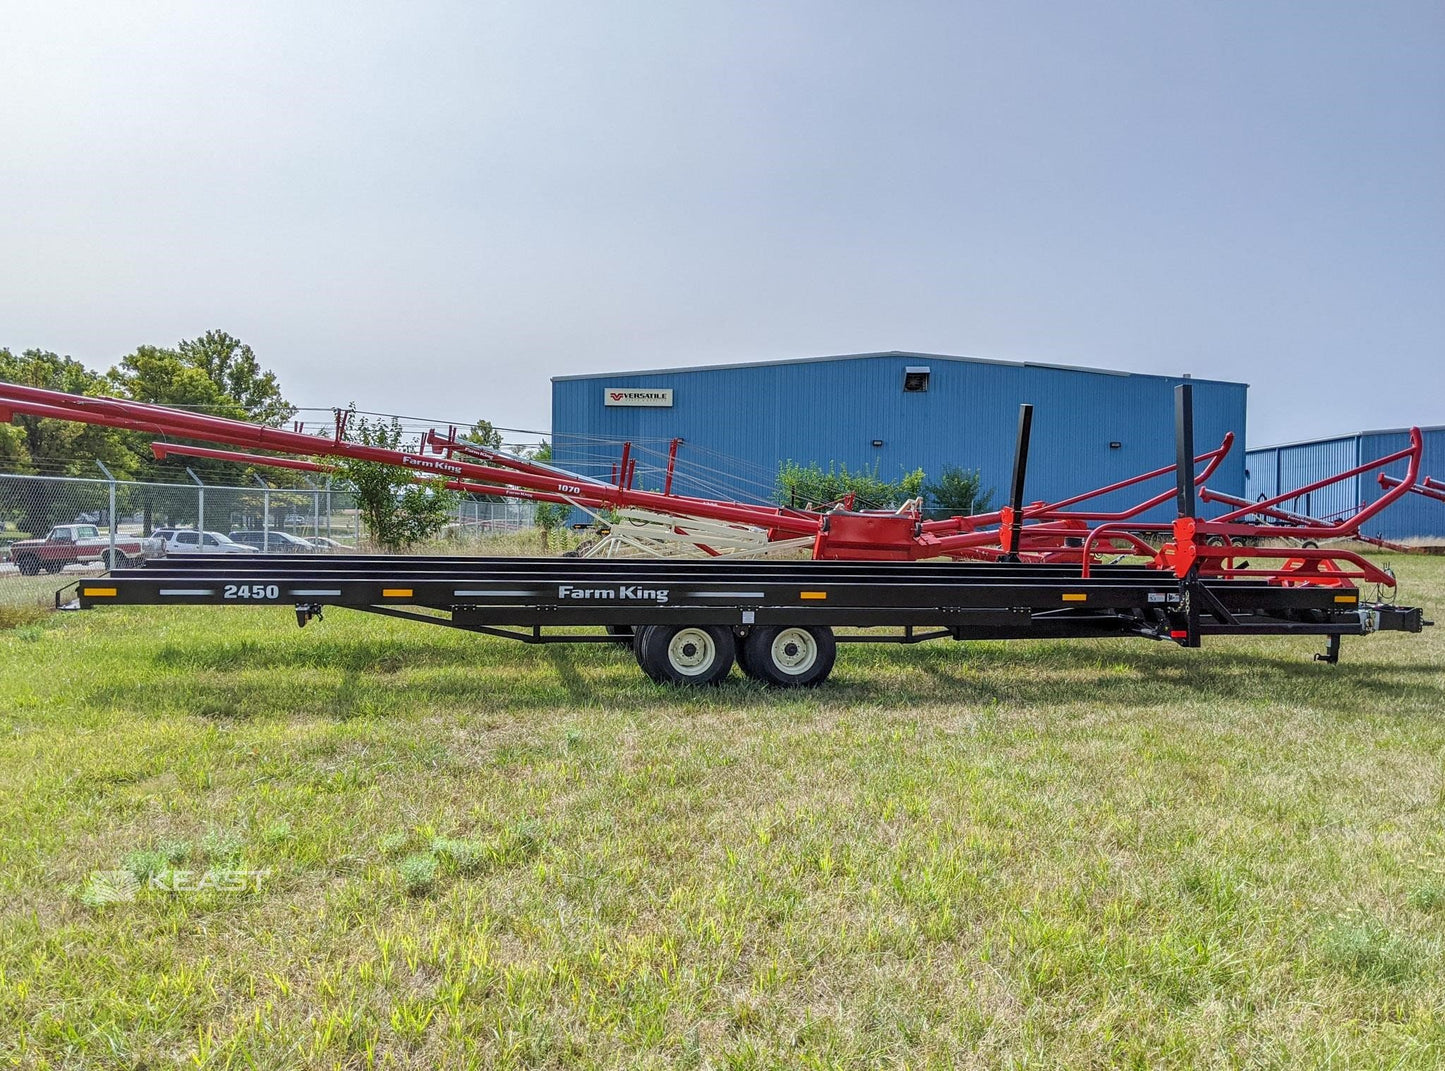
794,650
691,652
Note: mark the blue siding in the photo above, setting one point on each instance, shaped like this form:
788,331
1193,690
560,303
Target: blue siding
1299,468
1278,468
741,421
1261,473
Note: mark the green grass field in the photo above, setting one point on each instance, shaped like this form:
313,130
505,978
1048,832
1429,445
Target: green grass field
461,852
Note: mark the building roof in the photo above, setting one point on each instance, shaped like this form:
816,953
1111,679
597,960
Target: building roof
888,353
1424,430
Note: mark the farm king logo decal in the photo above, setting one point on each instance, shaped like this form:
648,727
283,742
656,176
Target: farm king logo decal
627,592
431,464
633,396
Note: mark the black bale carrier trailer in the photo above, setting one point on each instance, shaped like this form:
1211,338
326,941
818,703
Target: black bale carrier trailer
689,621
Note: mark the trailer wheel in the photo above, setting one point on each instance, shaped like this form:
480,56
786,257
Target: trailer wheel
791,656
686,654
740,655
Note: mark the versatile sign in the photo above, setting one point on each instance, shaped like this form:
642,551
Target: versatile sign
637,396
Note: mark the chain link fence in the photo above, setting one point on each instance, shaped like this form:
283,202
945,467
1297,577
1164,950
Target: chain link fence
52,526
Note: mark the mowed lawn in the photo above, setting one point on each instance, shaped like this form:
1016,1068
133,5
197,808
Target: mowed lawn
462,852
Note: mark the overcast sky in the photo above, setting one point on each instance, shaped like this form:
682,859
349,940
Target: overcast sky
432,208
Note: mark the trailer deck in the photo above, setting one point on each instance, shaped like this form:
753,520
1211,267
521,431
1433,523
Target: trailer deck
760,614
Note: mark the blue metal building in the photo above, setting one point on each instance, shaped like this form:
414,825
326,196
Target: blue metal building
1271,470
889,412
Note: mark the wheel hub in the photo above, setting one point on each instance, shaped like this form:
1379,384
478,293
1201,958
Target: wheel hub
691,652
795,650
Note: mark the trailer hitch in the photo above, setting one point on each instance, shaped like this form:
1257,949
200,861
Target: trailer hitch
73,603
305,611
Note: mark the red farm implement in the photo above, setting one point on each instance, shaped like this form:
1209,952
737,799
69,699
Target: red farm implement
1068,531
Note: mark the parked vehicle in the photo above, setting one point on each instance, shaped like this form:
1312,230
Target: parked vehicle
279,542
68,544
325,543
190,541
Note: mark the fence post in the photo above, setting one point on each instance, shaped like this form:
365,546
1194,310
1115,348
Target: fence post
110,516
265,511
200,508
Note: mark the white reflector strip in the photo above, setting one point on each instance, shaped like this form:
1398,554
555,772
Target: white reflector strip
314,591
187,591
491,591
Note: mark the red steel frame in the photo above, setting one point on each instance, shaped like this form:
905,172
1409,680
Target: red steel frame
1208,548
1284,521
1427,487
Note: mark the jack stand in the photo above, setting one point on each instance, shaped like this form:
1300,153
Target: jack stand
1332,651
305,611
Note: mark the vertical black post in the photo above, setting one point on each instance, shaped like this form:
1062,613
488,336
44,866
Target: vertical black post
1184,446
1016,492
1184,467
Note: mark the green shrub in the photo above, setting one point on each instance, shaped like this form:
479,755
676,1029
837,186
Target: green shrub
811,485
958,492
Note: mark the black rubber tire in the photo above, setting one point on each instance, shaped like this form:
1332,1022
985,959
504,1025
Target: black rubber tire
697,655
1309,544
28,564
790,657
54,567
119,561
740,656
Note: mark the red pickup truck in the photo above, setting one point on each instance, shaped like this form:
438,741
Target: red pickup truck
70,543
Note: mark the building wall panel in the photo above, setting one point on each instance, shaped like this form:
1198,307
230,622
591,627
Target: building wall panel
739,422
1278,468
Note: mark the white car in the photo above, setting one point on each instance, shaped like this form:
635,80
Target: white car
190,541
329,545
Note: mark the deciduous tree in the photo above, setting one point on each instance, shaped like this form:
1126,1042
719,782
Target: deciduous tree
549,516
396,510
215,374
44,446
